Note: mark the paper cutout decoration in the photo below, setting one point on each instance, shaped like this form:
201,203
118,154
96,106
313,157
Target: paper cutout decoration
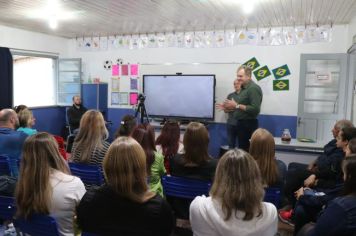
277,37
251,37
252,63
189,40
103,43
199,39
264,37
161,40
280,85
115,84
219,39
289,36
124,70
281,71
241,37
133,98
230,38
115,99
115,70
134,69
95,44
133,84
124,98
262,73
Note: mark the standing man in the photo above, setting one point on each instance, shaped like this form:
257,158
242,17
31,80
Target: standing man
231,120
75,113
11,141
247,107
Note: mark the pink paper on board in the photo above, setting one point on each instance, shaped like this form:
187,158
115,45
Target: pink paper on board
125,70
133,98
115,70
134,69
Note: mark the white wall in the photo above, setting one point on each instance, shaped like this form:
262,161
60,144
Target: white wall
27,40
276,103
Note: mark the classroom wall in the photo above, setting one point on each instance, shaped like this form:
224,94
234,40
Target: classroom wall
27,40
274,103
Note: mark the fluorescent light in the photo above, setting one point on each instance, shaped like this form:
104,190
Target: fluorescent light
53,22
248,7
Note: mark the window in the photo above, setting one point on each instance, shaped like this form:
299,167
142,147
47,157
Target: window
34,80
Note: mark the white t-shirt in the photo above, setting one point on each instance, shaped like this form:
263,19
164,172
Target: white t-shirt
207,218
67,192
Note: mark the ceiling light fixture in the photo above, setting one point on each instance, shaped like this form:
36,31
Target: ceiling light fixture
53,22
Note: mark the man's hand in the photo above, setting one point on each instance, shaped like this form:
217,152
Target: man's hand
299,193
310,181
230,104
220,106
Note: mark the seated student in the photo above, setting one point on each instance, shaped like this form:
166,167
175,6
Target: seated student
75,113
11,141
351,147
26,121
125,205
339,217
235,205
326,168
262,149
19,108
45,185
312,199
90,145
194,163
145,136
168,142
127,125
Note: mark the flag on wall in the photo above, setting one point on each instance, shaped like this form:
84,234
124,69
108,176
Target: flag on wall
252,63
279,85
262,73
281,71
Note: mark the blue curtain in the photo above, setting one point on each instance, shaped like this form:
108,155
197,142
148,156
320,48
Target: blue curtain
6,91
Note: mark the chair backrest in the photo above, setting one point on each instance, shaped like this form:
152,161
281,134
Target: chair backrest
184,188
273,195
7,208
37,224
89,174
67,122
5,168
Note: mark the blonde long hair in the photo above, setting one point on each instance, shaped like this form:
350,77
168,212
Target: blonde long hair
262,148
33,191
91,135
25,118
237,185
125,170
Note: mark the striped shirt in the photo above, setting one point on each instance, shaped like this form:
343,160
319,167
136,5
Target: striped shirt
96,157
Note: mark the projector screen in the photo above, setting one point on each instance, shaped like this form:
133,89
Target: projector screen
180,96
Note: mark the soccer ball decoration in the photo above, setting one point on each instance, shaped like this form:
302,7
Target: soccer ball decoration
107,64
119,61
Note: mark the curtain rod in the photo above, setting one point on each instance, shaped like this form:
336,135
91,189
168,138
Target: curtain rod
33,52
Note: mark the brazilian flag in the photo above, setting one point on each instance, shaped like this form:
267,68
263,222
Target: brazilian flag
281,71
262,73
252,63
279,85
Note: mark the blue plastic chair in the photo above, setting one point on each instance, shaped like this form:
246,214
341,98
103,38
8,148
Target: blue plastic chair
7,208
5,168
273,195
184,188
37,224
89,174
